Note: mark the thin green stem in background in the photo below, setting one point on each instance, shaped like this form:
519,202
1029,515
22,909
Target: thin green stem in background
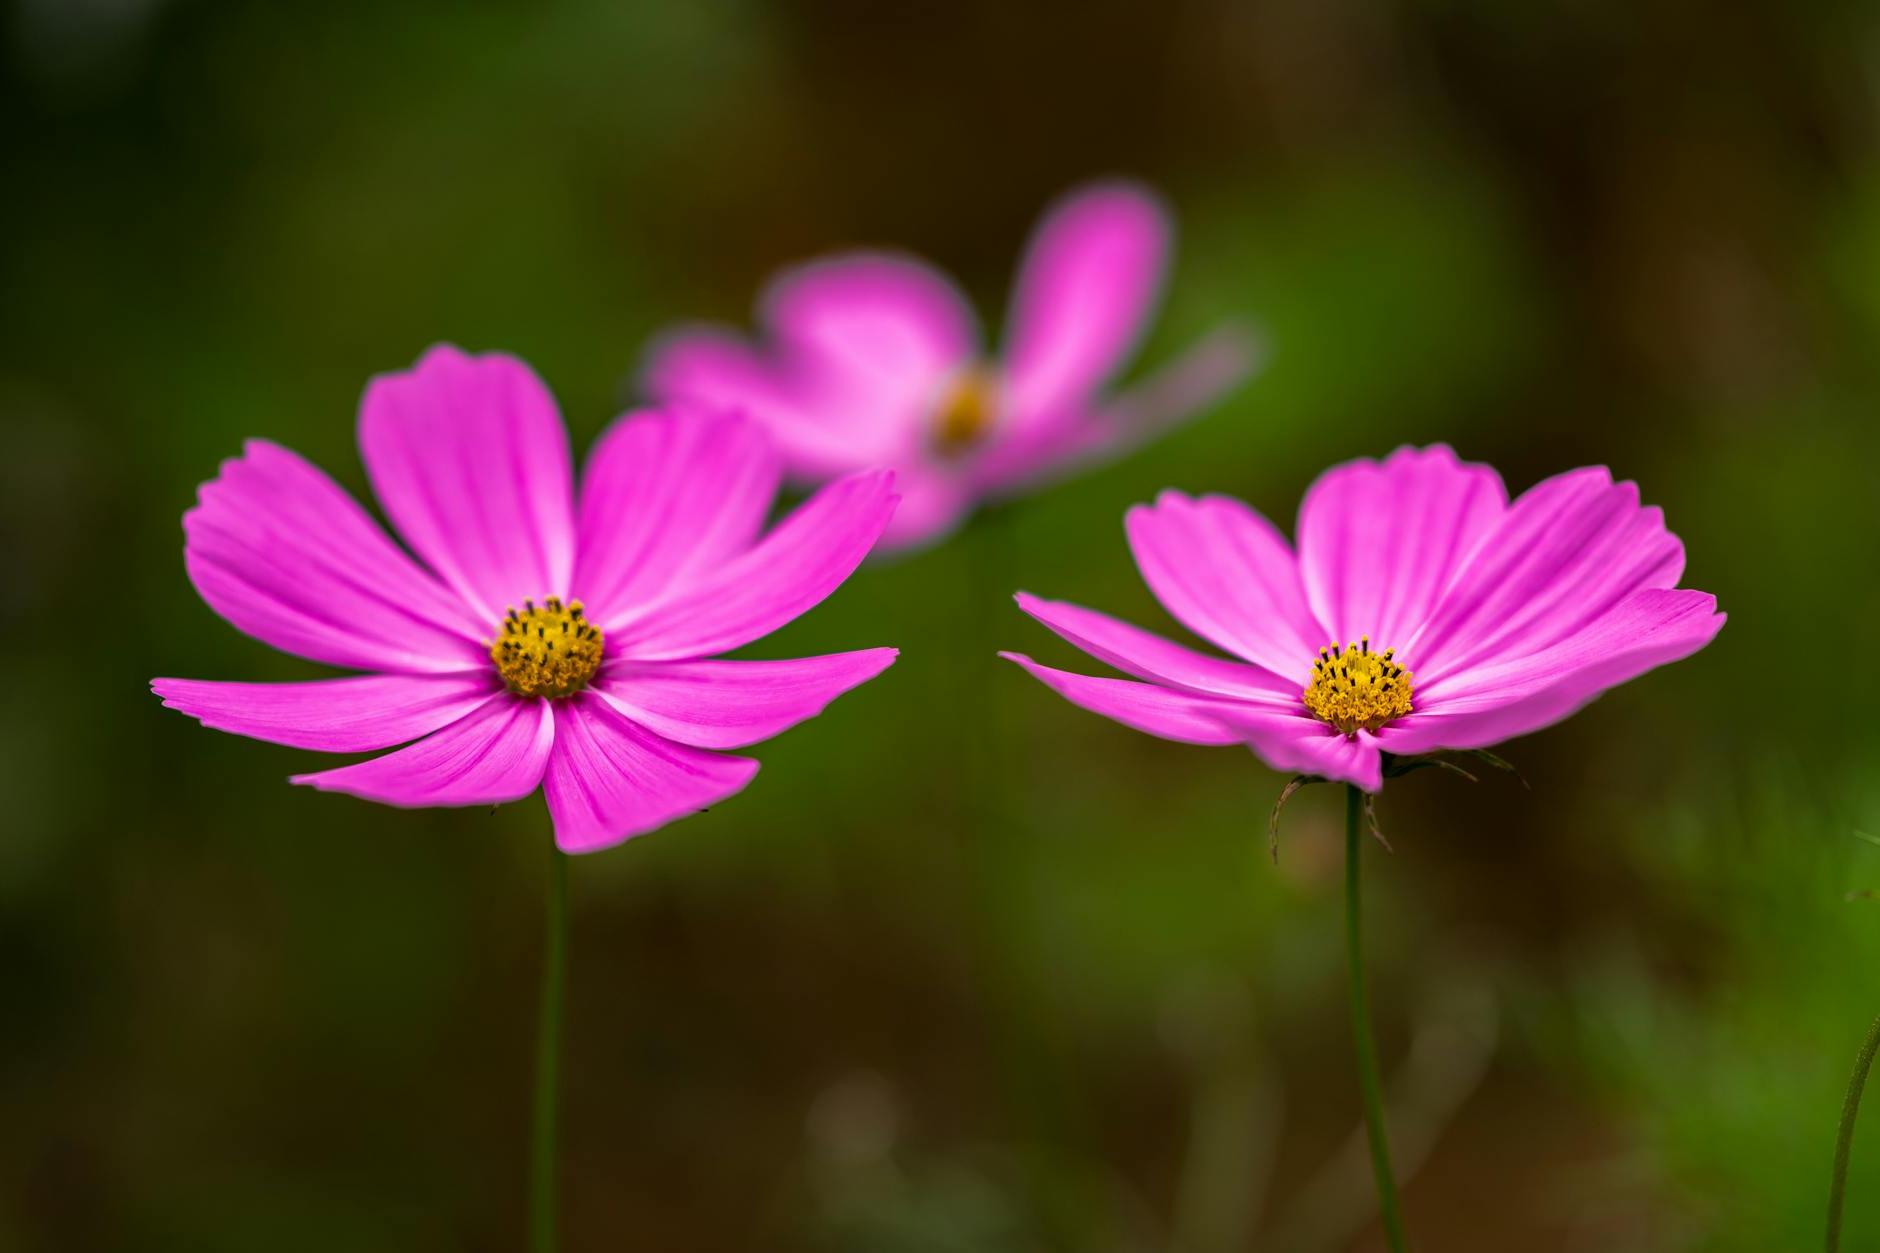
543,1225
1369,1085
1844,1140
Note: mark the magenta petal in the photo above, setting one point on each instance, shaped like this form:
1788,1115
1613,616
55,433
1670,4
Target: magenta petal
1148,656
1160,711
1484,705
469,457
729,704
1569,550
1226,574
353,715
1089,283
610,780
791,570
715,371
932,505
1107,428
494,754
1299,744
282,552
1285,740
1380,543
889,327
860,348
667,497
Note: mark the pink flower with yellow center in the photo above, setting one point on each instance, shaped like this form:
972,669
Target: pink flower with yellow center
1421,611
550,638
874,359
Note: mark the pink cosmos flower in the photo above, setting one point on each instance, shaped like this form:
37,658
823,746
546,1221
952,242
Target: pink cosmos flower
873,359
556,639
1421,611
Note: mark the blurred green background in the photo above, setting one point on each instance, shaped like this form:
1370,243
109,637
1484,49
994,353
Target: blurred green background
965,969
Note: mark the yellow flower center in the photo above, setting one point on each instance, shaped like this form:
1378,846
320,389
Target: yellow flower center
1353,687
547,651
966,410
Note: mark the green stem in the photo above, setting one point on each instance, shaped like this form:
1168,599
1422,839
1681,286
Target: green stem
1844,1140
543,1226
1369,1085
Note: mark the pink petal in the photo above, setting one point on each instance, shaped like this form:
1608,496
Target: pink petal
469,457
282,552
933,504
1380,543
861,348
496,753
1090,280
1285,740
1148,656
876,326
1227,575
353,715
666,498
1569,549
1483,705
1297,743
729,704
1103,430
1164,712
713,370
610,780
790,571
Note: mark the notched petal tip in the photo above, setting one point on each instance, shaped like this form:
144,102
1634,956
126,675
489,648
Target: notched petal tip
1167,498
1145,513
440,352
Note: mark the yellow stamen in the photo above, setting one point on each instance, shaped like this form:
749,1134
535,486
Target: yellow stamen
966,411
1353,687
549,650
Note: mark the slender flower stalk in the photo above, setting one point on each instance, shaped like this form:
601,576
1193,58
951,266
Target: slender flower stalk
536,636
1370,1086
544,1208
1844,1138
1418,610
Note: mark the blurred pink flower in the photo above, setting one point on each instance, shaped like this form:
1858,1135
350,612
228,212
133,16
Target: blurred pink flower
873,359
1421,612
469,458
